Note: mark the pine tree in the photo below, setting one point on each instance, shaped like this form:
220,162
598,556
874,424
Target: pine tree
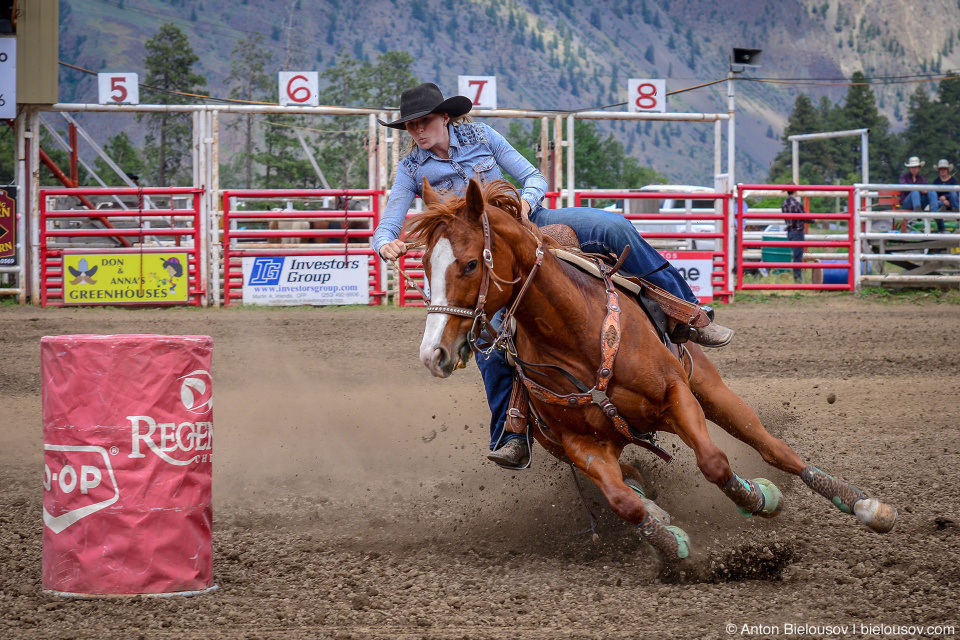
169,66
121,150
860,111
249,80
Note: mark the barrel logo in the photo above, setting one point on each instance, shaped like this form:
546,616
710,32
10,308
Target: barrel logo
82,479
196,391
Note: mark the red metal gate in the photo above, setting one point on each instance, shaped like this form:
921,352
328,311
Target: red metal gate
843,241
714,231
356,242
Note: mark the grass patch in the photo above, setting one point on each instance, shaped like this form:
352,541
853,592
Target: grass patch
910,296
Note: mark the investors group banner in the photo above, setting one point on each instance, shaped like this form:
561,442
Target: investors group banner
110,278
314,280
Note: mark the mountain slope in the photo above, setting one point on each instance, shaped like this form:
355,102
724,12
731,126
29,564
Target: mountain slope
557,54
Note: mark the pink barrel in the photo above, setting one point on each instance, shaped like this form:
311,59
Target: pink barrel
128,448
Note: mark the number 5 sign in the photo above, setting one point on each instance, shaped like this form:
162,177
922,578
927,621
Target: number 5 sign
299,88
647,95
118,88
482,90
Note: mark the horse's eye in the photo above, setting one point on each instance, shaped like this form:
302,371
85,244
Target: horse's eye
470,268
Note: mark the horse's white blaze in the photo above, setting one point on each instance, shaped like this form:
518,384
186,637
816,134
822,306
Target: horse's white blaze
440,260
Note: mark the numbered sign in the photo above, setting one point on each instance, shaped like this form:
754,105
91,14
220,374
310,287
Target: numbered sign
647,95
8,78
482,90
118,88
299,88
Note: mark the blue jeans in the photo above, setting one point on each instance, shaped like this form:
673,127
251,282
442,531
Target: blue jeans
602,231
498,382
914,200
797,253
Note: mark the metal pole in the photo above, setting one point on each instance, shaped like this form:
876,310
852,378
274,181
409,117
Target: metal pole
382,175
213,221
33,124
22,226
558,154
731,132
795,145
857,248
200,122
570,161
545,147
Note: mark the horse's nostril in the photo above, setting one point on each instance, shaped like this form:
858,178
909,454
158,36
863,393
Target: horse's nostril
444,357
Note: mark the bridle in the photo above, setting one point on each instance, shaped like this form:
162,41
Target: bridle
481,323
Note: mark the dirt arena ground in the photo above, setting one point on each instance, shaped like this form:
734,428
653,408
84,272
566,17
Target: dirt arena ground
353,499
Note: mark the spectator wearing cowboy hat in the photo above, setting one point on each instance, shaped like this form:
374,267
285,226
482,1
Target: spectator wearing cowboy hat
449,151
947,199
914,200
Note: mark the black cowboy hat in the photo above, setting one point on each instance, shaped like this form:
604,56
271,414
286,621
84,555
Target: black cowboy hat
424,100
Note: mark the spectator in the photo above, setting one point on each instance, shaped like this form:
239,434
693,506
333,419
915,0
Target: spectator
946,199
795,230
914,200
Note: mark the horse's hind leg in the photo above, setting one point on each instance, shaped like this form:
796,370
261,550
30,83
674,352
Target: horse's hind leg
686,419
728,410
600,463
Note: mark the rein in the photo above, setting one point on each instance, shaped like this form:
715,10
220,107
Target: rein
481,323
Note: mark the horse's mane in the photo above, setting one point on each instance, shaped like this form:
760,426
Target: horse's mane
498,193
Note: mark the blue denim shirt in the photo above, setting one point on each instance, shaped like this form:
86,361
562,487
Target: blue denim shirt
476,150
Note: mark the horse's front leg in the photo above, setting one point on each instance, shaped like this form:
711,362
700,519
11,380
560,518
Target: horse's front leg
599,461
728,410
685,418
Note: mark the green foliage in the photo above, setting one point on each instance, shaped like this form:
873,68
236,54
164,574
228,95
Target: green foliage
250,81
169,65
8,155
601,163
838,160
121,150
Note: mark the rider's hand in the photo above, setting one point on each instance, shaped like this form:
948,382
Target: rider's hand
393,250
525,209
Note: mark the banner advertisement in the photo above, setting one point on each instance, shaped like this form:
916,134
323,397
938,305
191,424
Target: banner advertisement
114,277
8,231
696,267
313,280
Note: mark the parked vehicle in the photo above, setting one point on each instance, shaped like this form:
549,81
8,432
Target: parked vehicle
672,206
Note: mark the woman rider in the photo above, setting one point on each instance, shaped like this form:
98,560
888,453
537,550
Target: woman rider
449,151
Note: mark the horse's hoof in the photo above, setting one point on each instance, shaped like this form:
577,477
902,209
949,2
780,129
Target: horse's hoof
668,543
683,542
772,498
875,514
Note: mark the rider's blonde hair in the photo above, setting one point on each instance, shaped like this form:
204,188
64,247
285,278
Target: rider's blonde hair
412,144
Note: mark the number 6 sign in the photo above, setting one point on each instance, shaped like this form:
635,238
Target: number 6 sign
482,90
118,88
299,88
647,95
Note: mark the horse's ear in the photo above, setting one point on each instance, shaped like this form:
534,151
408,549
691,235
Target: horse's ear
474,199
430,196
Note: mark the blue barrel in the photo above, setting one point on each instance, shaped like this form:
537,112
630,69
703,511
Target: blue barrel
835,276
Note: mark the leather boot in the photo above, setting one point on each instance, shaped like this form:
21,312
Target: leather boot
712,335
513,455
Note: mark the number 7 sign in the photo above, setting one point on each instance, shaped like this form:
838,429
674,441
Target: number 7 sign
482,90
647,95
118,88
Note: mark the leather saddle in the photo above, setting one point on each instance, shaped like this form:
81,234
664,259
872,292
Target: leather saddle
656,302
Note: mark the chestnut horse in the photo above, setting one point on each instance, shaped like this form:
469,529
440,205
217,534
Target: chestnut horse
559,320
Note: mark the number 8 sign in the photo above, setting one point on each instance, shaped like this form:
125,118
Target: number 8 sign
118,88
647,95
299,88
